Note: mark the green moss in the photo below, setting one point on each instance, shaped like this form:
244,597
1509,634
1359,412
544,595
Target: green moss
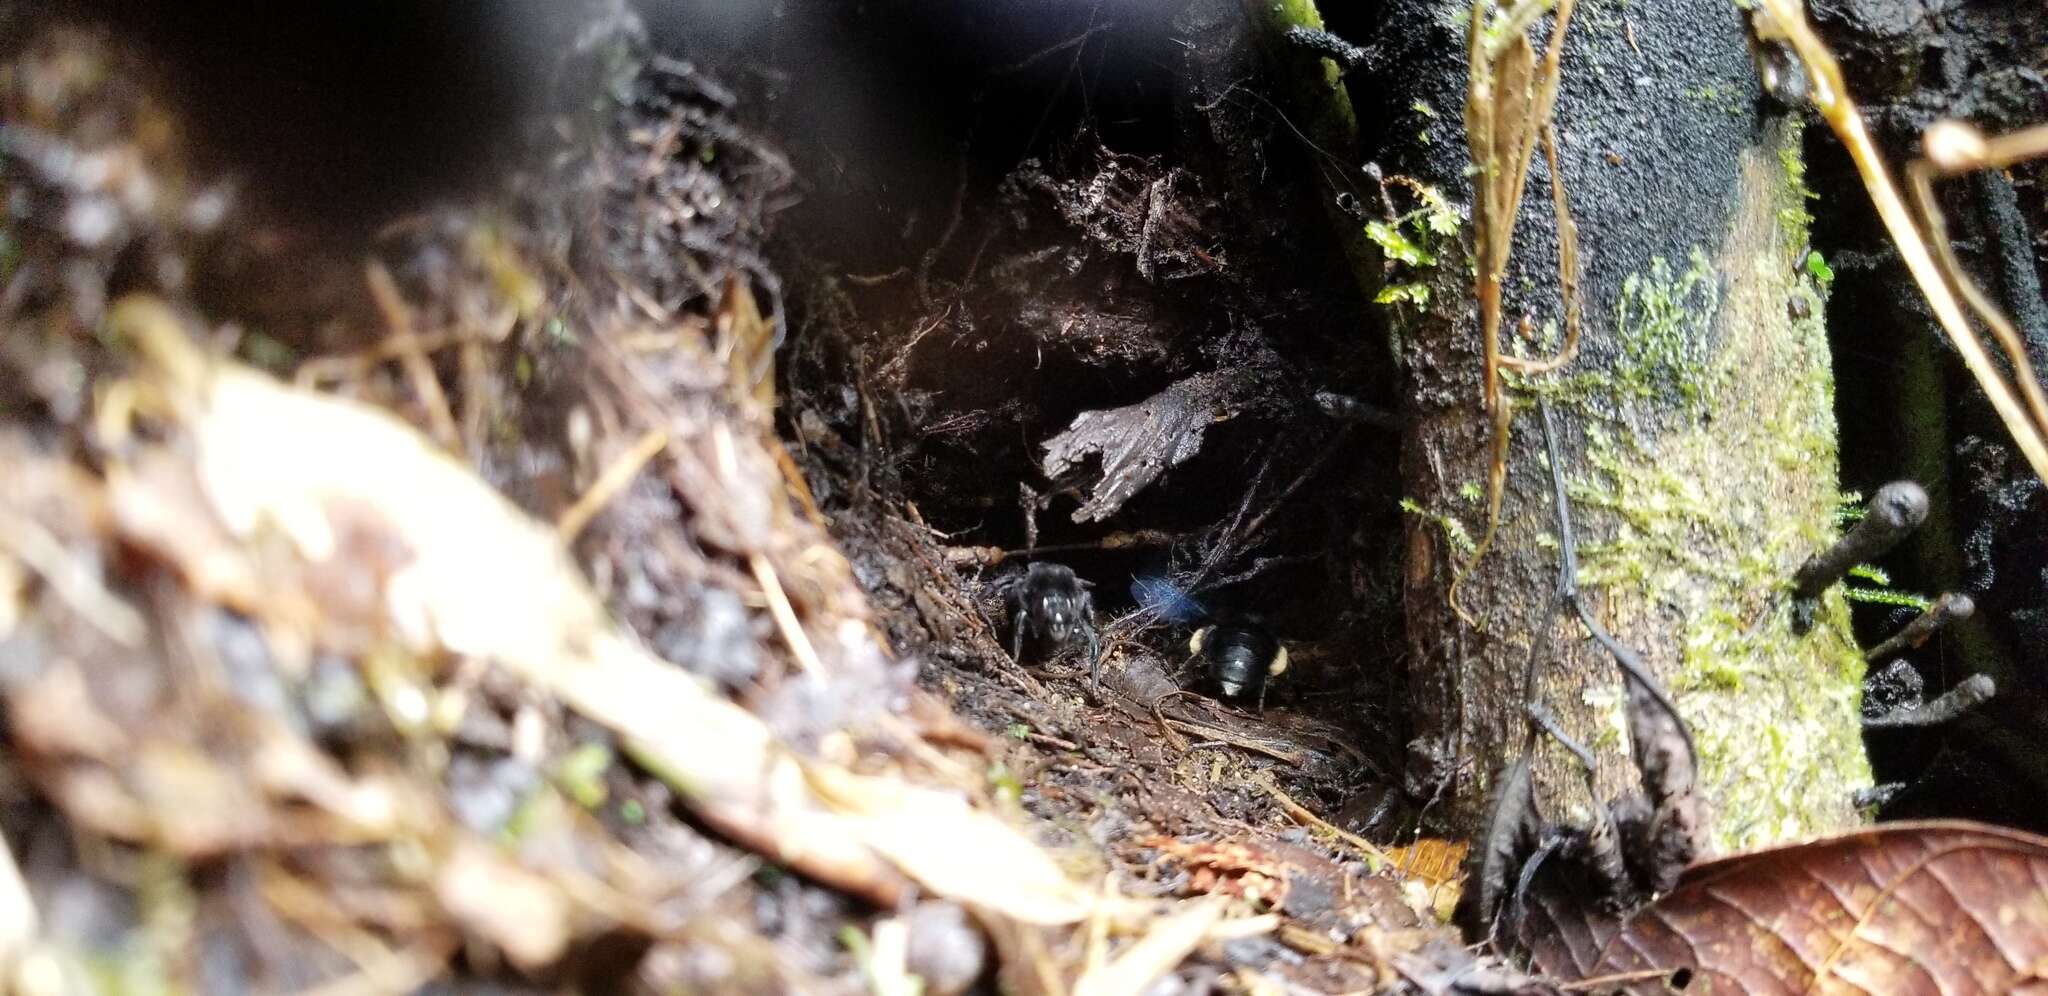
1397,245
1884,596
1793,217
1817,265
1414,243
1726,101
1663,333
10,252
1692,526
1453,530
1415,294
581,774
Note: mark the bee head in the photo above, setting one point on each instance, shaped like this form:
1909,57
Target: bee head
1056,614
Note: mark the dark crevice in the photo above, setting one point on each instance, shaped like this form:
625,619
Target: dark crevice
1010,216
1908,408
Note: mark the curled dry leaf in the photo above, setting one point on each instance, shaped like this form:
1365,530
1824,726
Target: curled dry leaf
1137,442
481,580
1669,766
1932,907
1512,826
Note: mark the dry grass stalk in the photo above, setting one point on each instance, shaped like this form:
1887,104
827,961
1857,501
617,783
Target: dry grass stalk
1508,109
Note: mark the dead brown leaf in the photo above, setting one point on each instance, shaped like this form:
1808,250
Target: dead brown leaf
1227,868
1434,860
1928,907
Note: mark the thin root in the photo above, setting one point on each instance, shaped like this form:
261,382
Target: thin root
613,480
404,343
1301,812
785,615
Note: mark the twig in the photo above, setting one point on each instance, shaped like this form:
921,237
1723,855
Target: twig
613,480
1237,740
785,614
1548,722
1952,142
798,486
28,542
1251,531
386,971
1173,739
1604,981
473,368
404,343
1053,49
1301,812
1227,540
1568,586
917,335
321,370
1974,691
1258,567
1896,510
1950,607
876,279
989,556
1247,926
378,968
1051,741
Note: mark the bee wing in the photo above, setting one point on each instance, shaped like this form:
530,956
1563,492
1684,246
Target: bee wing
1166,599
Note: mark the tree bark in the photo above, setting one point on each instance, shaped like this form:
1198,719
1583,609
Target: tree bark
1699,432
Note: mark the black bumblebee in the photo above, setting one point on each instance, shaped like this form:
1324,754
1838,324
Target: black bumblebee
1238,658
1051,605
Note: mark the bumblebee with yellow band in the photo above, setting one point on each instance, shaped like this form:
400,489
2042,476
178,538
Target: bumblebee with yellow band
1238,658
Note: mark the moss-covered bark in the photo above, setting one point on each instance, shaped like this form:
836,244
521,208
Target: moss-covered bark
1699,423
